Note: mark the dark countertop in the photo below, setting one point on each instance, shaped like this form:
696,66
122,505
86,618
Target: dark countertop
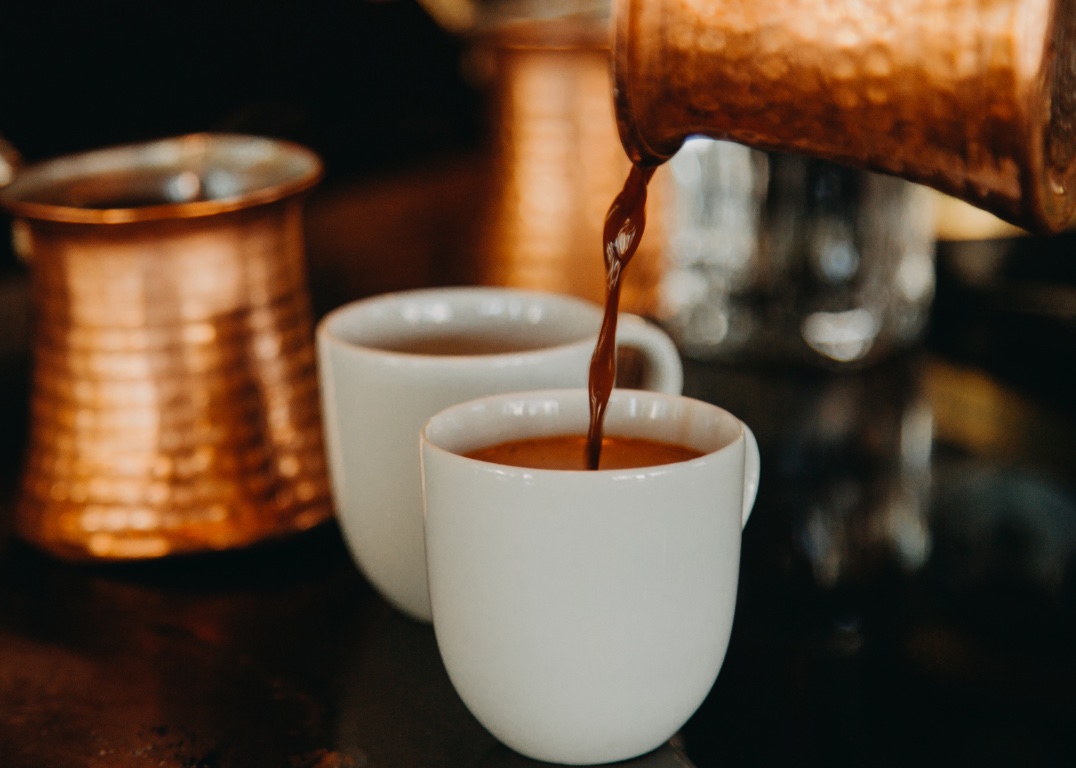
907,595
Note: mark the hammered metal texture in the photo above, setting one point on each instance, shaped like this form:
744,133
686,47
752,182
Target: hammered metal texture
972,97
558,164
174,405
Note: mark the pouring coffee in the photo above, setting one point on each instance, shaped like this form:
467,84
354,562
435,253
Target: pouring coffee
977,100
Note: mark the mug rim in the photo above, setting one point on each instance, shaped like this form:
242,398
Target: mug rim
327,330
274,170
488,403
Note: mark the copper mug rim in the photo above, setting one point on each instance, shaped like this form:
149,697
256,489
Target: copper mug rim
182,177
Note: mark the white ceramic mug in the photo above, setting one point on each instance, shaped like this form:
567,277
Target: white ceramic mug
583,616
375,400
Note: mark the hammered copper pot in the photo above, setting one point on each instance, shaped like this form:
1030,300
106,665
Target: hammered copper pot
976,99
174,404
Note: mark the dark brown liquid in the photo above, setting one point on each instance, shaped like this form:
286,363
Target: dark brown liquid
566,452
624,225
448,344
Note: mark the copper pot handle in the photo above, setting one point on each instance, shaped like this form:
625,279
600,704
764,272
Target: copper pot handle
10,162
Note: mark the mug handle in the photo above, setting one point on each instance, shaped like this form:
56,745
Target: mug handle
751,469
663,370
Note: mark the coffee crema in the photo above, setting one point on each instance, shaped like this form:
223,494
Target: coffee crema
463,344
567,452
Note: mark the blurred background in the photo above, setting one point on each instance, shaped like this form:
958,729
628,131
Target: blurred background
376,88
457,154
373,86
913,570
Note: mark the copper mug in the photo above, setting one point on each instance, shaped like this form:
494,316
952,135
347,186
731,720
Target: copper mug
975,99
174,401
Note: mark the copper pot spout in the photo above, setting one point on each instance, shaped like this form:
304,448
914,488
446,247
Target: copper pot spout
976,99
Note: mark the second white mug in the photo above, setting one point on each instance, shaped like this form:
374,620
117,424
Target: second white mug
388,363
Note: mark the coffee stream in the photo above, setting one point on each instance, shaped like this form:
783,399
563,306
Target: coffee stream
623,230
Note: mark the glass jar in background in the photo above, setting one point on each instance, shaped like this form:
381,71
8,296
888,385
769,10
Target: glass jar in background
780,259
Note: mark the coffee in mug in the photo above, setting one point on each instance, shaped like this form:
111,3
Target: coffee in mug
389,362
582,615
569,452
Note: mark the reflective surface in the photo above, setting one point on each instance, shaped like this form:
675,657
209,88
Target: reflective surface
972,98
557,165
789,261
174,404
907,591
909,598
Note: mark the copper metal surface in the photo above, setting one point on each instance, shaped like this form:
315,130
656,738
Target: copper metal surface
974,98
175,404
195,176
290,315
10,160
557,164
285,656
